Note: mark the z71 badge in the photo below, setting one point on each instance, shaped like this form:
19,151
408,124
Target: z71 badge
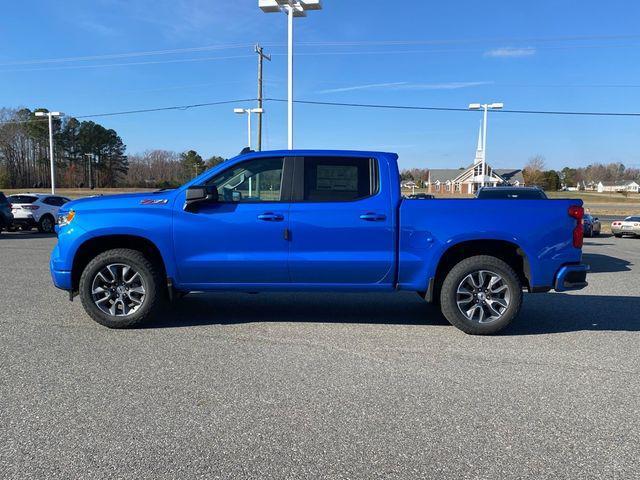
154,201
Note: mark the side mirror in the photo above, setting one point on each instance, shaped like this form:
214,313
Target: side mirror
200,194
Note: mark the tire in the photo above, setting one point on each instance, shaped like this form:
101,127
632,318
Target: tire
617,235
47,224
141,306
463,275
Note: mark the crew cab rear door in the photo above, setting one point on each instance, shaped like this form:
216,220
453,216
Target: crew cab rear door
342,230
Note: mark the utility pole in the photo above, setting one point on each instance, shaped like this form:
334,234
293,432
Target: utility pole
261,57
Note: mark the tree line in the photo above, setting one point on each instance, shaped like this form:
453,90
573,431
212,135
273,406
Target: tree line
86,154
535,173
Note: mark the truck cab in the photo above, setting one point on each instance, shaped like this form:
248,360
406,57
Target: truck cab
309,220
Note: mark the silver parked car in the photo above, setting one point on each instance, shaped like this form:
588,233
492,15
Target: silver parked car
628,226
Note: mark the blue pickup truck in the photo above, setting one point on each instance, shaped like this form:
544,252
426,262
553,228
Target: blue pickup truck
314,220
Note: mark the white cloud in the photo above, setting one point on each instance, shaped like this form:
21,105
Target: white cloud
368,86
510,52
442,86
406,86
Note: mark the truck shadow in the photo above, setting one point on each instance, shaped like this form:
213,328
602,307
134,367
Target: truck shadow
541,313
600,263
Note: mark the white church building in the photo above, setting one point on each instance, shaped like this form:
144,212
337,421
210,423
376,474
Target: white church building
469,180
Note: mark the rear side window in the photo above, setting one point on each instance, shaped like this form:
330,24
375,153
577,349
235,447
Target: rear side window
55,201
21,199
339,179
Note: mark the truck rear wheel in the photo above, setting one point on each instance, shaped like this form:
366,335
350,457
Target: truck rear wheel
481,295
121,288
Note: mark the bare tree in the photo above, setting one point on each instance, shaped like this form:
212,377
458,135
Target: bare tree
533,171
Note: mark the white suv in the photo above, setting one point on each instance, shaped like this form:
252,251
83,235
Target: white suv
36,210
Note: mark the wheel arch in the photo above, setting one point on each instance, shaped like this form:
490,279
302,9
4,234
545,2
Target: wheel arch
96,245
509,252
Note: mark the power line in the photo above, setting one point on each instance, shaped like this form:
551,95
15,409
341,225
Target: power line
144,110
162,109
128,55
102,65
455,109
360,43
341,104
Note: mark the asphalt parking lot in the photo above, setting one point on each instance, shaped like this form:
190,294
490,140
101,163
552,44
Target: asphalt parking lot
320,385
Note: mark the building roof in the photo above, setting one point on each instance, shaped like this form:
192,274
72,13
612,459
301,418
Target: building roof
444,174
622,183
510,175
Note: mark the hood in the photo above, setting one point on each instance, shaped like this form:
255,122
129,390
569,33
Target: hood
122,200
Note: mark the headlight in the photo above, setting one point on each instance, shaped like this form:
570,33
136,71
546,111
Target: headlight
66,218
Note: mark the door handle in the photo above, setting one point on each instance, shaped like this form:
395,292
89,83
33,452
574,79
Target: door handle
271,217
373,217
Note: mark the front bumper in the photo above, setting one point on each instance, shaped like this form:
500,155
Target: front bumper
61,279
571,277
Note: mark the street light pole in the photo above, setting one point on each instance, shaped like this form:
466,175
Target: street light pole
248,112
51,160
485,107
292,8
290,79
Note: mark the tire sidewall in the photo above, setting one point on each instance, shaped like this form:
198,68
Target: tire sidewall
458,273
137,261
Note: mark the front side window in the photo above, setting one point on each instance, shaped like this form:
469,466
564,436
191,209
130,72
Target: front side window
258,180
333,179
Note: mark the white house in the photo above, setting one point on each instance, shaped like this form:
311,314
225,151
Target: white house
629,186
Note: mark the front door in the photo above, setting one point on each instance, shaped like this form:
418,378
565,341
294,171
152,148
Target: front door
341,223
241,239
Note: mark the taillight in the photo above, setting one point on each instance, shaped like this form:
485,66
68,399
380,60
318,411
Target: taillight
577,212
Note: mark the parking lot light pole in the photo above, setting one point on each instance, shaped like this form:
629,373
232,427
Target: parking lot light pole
485,107
248,112
292,8
51,115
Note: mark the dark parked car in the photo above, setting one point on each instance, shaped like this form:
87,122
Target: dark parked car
6,217
591,225
511,193
420,196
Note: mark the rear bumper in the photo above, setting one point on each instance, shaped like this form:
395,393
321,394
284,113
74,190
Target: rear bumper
24,222
571,277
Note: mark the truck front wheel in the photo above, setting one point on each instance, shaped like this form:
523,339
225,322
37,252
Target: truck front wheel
121,288
481,295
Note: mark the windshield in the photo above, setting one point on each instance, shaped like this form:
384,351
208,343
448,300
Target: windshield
22,199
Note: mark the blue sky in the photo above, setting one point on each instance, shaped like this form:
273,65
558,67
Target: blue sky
544,55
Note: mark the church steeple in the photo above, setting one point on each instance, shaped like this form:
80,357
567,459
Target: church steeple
479,149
